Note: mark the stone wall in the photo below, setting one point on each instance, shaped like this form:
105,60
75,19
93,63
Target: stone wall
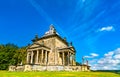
59,43
16,68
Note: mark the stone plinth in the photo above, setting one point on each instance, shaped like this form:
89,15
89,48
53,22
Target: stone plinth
12,68
28,68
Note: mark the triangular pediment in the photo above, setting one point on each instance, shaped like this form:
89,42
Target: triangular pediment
34,45
37,45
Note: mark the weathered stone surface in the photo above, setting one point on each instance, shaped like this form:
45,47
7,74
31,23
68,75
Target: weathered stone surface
28,68
12,68
48,68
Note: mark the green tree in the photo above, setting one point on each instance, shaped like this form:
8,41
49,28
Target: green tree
6,55
11,54
20,56
77,63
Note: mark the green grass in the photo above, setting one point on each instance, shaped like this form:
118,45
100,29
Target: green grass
57,74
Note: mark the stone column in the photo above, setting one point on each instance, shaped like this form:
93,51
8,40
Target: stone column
27,57
31,57
68,58
58,58
45,57
37,56
42,57
74,63
63,58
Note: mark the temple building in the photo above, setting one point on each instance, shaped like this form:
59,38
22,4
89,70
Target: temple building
51,49
50,52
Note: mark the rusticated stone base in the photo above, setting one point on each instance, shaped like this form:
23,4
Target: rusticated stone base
48,68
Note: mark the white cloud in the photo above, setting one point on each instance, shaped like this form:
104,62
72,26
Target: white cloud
110,61
117,56
109,54
87,56
117,51
92,55
108,28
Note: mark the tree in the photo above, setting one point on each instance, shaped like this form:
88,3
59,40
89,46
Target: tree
11,54
6,55
20,55
77,63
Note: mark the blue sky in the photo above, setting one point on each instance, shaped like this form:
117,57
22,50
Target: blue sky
92,25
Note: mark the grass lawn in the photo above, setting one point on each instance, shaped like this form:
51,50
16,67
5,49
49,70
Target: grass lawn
57,74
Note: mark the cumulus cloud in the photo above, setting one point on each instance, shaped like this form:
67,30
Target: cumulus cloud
92,55
117,56
108,28
110,61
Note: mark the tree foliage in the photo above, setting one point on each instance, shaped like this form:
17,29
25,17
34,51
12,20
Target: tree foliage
77,63
11,54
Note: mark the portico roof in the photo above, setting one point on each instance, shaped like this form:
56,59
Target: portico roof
70,49
36,46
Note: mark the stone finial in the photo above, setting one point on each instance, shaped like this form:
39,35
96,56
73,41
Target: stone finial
52,30
64,38
70,43
36,36
28,44
51,27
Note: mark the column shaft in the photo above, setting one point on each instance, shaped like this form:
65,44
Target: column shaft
31,57
37,56
27,57
45,57
58,58
63,58
42,56
68,58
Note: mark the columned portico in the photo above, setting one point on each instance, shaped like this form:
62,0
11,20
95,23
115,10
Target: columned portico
38,56
67,56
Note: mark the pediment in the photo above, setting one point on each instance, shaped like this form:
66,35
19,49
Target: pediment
35,45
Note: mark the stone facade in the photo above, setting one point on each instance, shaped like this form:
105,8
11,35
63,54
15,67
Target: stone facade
52,53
